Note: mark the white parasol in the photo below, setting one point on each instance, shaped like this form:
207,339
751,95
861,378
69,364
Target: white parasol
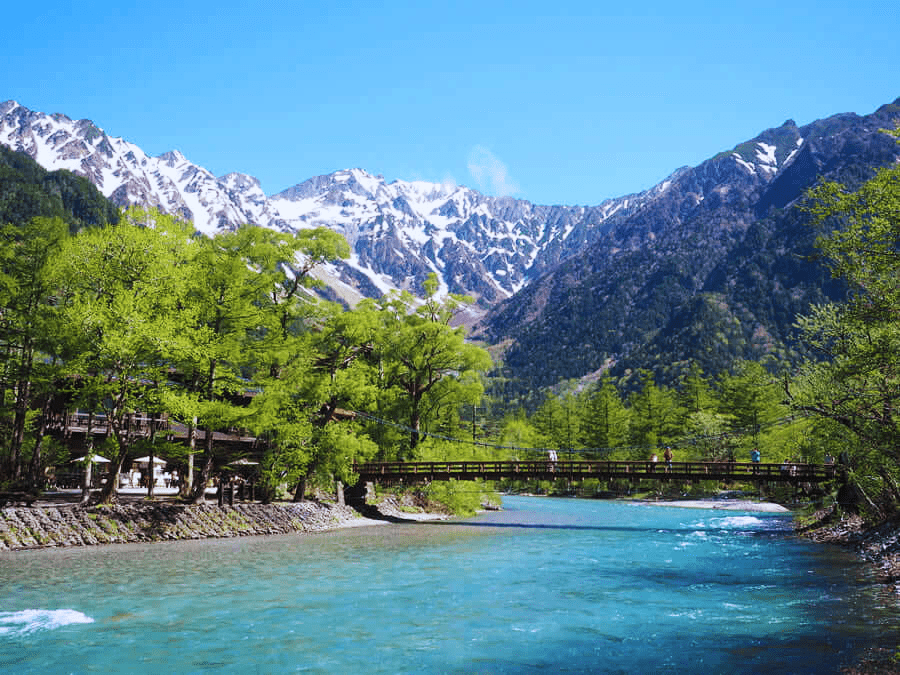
96,459
146,460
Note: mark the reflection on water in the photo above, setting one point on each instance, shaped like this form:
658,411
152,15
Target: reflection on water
545,585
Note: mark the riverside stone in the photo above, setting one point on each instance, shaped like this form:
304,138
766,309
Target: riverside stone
26,528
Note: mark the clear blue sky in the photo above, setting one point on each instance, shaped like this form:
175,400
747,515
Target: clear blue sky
557,102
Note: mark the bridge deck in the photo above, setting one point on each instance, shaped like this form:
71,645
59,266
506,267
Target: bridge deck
604,470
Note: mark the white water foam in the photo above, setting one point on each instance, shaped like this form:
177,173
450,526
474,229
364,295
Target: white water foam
739,522
32,620
729,523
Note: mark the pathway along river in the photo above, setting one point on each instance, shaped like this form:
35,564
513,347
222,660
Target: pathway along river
547,585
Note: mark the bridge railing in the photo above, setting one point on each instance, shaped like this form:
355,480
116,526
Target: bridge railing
800,472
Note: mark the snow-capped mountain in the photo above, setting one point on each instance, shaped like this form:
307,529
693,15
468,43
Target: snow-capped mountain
714,268
399,232
712,263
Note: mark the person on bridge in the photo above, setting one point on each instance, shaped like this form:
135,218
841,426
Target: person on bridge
667,455
755,457
653,460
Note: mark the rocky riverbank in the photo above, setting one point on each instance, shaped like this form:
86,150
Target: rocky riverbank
142,521
877,546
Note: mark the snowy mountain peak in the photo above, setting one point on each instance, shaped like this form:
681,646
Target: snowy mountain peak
399,232
172,158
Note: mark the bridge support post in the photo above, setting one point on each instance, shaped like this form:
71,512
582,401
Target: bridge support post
359,494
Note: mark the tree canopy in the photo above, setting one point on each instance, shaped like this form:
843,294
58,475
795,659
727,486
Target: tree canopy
223,335
853,384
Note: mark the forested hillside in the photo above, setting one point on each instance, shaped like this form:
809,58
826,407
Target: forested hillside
716,269
27,190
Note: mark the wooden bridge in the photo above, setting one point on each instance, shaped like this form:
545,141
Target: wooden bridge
420,472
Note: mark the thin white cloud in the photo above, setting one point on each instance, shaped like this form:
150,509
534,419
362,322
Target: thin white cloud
490,174
449,183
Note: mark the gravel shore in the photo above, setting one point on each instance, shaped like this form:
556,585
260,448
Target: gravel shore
724,504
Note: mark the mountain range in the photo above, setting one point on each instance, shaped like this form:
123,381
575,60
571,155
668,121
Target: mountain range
399,232
711,264
715,268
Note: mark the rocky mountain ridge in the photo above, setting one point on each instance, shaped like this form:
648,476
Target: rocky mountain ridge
710,265
717,268
399,232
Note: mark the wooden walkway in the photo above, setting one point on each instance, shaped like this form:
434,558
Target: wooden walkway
418,472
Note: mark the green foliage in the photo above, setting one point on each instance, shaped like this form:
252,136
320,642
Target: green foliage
607,420
121,291
29,335
461,498
710,436
144,316
855,382
249,329
425,360
752,398
520,436
656,415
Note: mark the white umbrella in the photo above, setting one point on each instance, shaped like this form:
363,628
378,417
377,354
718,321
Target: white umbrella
94,458
146,460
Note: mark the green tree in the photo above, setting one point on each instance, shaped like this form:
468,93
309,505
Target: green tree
559,420
519,436
121,291
29,336
426,361
656,417
853,383
752,398
696,393
28,191
250,306
550,421
710,434
607,419
287,368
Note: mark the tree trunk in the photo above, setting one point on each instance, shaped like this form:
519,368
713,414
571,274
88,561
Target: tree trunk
23,396
151,484
89,452
415,424
187,480
108,493
35,473
124,438
199,494
301,490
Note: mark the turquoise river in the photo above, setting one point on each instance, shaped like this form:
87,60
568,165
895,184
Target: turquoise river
544,586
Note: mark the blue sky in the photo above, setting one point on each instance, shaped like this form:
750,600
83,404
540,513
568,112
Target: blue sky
555,102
